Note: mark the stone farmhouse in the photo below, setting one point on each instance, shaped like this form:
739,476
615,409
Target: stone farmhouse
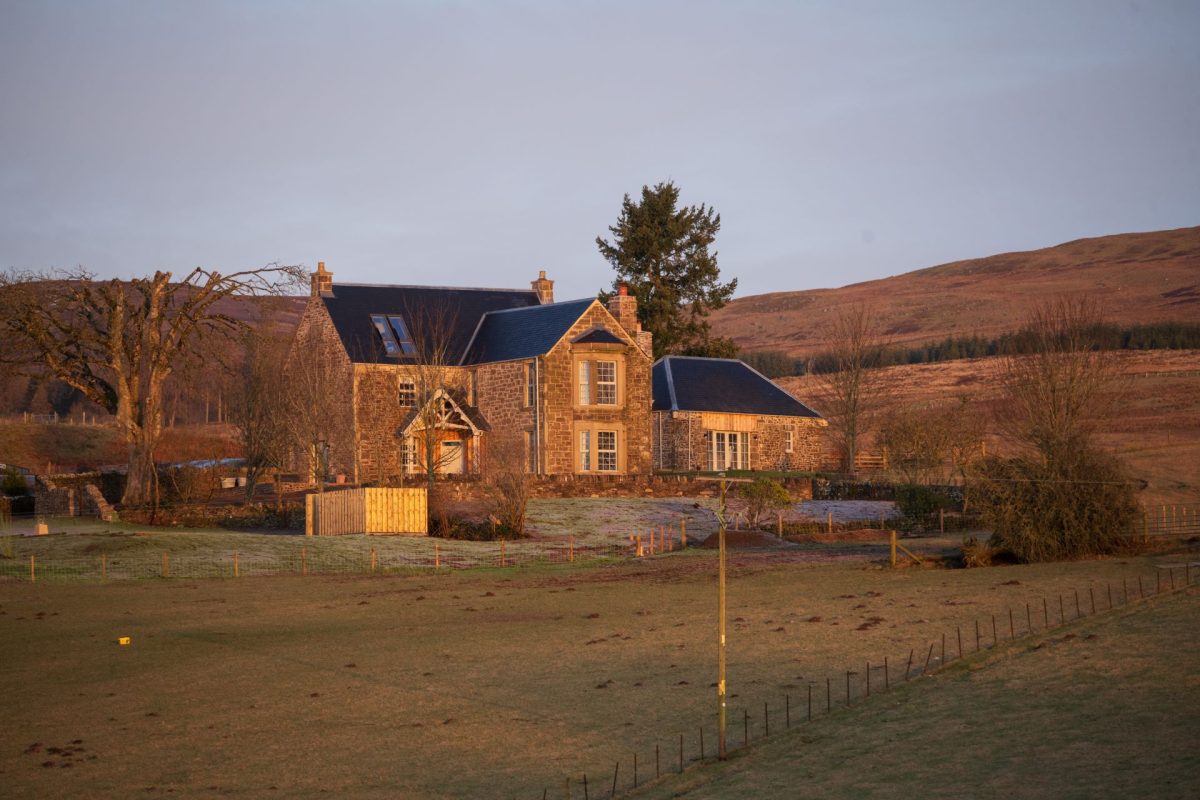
413,377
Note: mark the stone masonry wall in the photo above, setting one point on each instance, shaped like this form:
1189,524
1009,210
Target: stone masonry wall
679,446
501,400
558,393
378,416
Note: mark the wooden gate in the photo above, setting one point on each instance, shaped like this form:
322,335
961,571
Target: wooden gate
376,511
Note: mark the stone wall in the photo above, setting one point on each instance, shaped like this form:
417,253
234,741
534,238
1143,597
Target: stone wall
568,486
71,495
562,415
379,417
681,442
501,393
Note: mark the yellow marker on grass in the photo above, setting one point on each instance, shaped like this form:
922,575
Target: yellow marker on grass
123,641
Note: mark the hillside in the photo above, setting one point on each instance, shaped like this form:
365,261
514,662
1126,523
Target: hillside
1156,427
1137,277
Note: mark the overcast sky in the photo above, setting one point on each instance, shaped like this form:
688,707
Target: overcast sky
473,143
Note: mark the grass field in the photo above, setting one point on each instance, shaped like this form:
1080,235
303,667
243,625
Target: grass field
486,683
1109,709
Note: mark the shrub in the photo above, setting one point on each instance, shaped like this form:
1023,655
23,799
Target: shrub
13,483
976,553
1078,505
763,495
922,502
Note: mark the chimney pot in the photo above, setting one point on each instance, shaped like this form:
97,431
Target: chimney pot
543,287
322,280
623,290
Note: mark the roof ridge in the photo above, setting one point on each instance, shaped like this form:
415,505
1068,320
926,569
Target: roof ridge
705,358
540,305
439,288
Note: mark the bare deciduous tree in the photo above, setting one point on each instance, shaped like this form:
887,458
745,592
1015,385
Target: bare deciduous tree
849,394
259,407
507,480
1059,393
1062,497
434,374
316,412
118,341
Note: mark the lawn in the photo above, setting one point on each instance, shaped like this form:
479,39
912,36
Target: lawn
561,530
485,683
1107,708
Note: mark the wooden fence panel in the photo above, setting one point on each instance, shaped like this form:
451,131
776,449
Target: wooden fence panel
367,511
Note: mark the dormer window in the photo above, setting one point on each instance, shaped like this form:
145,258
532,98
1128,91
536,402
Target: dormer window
394,335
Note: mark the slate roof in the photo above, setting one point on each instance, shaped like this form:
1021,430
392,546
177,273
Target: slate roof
599,336
524,332
721,385
351,305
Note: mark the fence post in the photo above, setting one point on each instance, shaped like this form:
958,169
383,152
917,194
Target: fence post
437,555
166,565
32,569
374,559
829,520
892,540
682,534
309,513
235,564
942,520
303,561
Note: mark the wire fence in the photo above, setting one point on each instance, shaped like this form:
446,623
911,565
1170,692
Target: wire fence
30,558
749,723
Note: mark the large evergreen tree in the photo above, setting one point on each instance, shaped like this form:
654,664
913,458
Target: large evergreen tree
661,252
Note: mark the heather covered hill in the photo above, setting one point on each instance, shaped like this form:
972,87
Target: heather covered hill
1137,277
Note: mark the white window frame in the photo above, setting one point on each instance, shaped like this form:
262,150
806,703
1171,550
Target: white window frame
408,454
585,383
606,386
788,441
602,452
729,450
530,384
407,394
585,451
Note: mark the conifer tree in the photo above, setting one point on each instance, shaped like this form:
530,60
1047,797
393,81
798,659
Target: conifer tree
661,253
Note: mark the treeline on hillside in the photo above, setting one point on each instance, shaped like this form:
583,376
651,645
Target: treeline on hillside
1154,336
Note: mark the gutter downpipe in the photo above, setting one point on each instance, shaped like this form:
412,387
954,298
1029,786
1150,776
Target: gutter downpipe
537,415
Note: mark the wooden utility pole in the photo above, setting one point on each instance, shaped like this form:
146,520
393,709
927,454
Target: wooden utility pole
721,624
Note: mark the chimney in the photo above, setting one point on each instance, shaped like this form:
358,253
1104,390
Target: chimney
623,306
544,288
322,281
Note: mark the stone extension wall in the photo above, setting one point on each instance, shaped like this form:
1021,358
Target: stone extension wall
681,442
